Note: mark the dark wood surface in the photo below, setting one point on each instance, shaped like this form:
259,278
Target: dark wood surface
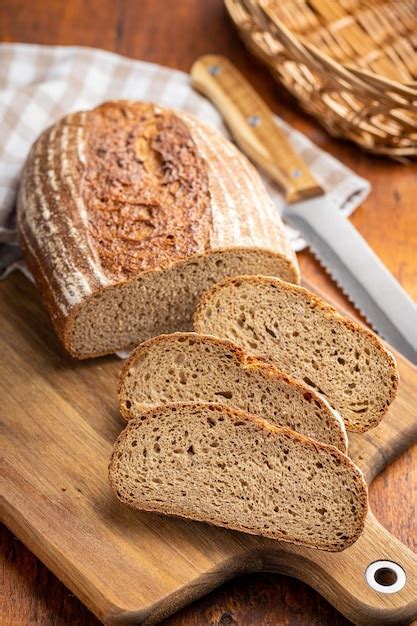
174,33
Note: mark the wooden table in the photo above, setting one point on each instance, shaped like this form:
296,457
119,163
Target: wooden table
174,33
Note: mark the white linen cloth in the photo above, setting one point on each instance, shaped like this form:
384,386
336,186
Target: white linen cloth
40,84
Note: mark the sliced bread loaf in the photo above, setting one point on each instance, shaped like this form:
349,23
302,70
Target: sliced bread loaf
219,465
186,367
127,212
307,338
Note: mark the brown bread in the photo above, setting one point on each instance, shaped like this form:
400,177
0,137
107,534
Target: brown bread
226,467
128,212
186,367
306,337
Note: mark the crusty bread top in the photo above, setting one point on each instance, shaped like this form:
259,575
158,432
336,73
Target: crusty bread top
223,466
128,188
145,188
219,320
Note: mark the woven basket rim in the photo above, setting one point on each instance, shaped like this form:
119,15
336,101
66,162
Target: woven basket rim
406,89
375,111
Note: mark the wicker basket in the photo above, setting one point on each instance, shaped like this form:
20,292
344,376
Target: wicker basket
351,63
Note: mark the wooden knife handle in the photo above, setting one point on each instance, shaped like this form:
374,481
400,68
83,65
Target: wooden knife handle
252,125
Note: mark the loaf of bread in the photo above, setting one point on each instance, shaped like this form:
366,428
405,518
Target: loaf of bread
223,466
185,367
307,338
128,211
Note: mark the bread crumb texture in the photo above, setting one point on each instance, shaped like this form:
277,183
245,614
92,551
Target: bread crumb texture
307,338
186,367
219,465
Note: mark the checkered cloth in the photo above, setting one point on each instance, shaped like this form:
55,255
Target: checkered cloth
40,84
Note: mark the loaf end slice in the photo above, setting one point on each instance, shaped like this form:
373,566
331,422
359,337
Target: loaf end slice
225,467
307,338
186,367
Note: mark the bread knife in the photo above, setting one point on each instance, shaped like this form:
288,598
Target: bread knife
332,238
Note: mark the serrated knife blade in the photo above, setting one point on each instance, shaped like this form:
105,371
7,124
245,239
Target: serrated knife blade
331,236
358,270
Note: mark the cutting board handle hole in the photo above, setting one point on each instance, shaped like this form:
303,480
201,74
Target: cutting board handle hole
385,576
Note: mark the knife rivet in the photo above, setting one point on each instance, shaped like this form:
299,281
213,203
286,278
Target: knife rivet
254,120
214,70
296,173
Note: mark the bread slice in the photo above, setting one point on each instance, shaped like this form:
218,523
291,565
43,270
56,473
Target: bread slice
307,338
185,367
220,465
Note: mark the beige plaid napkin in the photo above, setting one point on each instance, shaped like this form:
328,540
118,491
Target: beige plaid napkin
40,84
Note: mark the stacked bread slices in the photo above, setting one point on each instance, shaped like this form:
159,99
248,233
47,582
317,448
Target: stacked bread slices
307,338
242,423
187,367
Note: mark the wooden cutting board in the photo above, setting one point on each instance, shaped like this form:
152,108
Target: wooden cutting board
59,419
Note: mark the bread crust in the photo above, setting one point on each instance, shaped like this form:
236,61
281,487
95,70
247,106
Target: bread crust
60,225
269,429
245,360
327,310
